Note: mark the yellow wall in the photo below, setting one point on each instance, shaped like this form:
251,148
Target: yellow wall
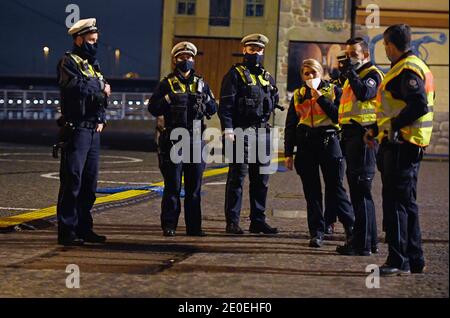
198,25
428,5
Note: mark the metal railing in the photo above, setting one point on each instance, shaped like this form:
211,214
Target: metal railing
45,105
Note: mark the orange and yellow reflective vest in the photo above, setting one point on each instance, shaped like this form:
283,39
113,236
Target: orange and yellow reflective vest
388,107
309,112
351,108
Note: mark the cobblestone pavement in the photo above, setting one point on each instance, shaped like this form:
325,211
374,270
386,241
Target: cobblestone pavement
138,261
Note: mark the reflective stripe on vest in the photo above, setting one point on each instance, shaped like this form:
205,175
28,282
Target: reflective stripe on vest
388,107
85,68
252,79
178,87
309,112
352,108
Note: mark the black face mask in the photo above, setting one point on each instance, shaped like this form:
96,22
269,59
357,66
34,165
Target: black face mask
89,50
253,59
185,66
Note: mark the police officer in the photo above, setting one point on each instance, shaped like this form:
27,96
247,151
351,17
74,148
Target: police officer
183,99
311,125
405,122
84,94
247,99
356,116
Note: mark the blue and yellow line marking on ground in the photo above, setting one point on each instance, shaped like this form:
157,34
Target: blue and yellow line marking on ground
14,220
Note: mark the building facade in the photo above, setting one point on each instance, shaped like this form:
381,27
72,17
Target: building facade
300,29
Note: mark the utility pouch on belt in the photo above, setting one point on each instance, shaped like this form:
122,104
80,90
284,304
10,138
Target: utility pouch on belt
179,115
64,136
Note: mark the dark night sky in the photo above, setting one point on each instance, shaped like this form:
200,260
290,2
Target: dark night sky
133,26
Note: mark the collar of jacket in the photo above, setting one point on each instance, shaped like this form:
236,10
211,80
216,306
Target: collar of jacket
406,54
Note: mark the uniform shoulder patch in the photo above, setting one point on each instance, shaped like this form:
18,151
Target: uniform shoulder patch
371,82
412,84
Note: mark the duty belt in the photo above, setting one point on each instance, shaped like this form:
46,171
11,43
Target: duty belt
318,133
86,124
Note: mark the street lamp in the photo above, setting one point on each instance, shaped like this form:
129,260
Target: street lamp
116,61
46,50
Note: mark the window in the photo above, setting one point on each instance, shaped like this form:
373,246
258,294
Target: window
254,8
334,9
219,12
186,7
330,10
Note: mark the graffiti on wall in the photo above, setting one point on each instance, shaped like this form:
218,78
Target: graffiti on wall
418,45
326,52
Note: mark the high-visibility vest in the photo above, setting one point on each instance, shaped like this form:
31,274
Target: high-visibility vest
388,107
351,108
85,68
309,112
252,79
177,87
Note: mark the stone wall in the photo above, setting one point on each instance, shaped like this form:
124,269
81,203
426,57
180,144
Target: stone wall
439,140
296,25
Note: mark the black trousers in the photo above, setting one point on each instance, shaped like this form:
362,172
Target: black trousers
399,166
171,203
78,182
324,153
259,179
361,165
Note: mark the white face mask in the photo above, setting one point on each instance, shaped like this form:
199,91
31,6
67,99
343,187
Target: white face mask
313,83
355,62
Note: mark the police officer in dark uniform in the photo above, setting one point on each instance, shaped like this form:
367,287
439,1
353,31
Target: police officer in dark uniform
84,94
405,123
247,99
356,116
311,125
183,99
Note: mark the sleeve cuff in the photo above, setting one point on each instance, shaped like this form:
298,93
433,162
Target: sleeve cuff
102,85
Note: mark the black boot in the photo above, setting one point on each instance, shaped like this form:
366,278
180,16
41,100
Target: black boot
262,227
69,239
92,237
233,228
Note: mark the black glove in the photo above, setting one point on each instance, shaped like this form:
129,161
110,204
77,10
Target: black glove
178,99
192,99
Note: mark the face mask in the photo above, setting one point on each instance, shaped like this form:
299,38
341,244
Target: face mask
185,65
89,49
253,59
313,83
355,62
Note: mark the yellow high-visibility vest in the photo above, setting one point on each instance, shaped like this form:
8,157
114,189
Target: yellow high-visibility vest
388,107
196,86
85,68
252,79
309,112
351,108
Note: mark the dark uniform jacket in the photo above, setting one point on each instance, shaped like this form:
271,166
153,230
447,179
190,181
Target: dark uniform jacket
82,97
233,90
159,105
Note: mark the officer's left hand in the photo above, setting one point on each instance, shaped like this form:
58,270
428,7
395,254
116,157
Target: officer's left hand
369,139
99,127
315,93
107,90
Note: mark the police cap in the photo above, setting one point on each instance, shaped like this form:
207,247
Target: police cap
184,48
255,39
83,26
